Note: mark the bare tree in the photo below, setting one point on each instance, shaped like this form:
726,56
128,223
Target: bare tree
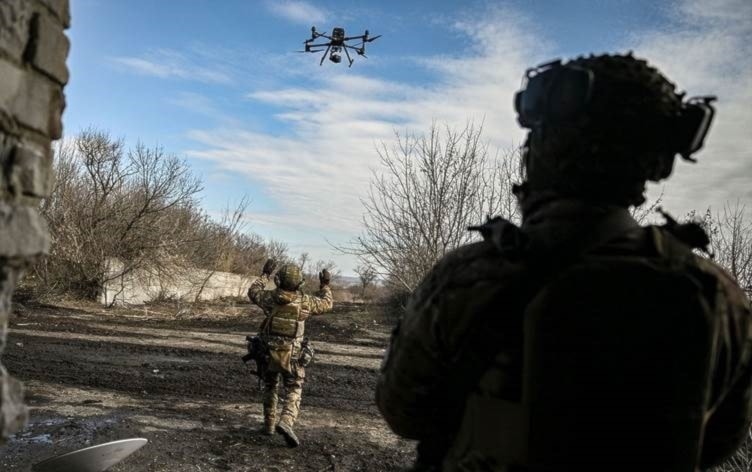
426,193
312,275
303,259
648,211
277,250
367,275
250,254
222,248
111,204
730,233
115,212
731,240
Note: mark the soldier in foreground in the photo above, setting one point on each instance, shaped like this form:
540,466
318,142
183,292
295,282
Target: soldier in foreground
579,341
286,351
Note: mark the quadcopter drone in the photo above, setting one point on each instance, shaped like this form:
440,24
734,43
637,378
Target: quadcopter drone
337,43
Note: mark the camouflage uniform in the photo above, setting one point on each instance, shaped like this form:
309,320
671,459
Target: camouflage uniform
459,347
292,375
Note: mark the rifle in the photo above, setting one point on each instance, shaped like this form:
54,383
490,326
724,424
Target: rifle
257,352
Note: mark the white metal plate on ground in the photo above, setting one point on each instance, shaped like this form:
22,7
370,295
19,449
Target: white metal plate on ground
91,459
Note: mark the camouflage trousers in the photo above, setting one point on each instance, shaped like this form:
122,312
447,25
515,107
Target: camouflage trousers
293,386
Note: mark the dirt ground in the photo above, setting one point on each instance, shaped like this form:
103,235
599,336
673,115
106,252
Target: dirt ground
175,377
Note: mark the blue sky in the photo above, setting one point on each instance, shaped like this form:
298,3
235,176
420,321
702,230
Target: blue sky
216,82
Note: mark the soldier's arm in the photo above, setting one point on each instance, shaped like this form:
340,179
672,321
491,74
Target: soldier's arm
258,293
729,425
424,375
411,372
729,422
317,304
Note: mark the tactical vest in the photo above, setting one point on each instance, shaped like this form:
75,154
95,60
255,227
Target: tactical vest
283,321
616,371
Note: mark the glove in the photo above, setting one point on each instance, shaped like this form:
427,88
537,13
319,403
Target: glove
325,277
269,267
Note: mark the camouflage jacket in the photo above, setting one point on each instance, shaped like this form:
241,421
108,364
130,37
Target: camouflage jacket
469,308
309,304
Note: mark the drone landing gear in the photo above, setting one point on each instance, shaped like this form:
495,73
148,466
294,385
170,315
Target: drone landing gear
325,54
348,57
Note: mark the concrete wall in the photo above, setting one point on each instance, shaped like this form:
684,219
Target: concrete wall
33,50
141,286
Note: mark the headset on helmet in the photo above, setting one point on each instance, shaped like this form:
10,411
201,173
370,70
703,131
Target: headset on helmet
557,94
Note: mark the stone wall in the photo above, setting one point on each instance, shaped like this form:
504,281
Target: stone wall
140,286
33,50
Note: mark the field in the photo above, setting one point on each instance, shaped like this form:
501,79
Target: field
174,376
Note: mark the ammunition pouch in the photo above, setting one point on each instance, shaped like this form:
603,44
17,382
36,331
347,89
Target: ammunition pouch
280,352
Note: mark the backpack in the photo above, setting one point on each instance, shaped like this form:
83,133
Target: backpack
617,365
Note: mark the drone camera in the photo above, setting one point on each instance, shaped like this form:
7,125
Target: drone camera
335,58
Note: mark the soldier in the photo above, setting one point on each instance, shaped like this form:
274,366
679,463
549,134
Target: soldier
286,309
579,340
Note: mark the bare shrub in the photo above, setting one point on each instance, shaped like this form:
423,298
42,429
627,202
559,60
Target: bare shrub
218,248
730,232
115,211
311,273
276,250
648,211
731,240
427,191
111,203
367,275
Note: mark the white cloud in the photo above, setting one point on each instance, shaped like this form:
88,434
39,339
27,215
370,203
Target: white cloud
167,63
202,105
296,11
319,167
318,171
709,52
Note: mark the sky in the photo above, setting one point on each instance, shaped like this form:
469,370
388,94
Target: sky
218,84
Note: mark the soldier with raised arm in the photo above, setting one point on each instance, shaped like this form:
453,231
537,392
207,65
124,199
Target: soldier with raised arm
282,331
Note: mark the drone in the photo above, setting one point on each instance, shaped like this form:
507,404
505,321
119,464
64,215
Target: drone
337,43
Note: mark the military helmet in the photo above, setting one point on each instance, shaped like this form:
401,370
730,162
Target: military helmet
289,277
601,126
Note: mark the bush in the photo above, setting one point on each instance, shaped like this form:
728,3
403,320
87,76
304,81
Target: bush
114,211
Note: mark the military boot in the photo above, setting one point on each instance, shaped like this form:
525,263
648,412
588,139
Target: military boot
286,431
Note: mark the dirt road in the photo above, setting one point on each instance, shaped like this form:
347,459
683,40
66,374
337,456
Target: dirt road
94,375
